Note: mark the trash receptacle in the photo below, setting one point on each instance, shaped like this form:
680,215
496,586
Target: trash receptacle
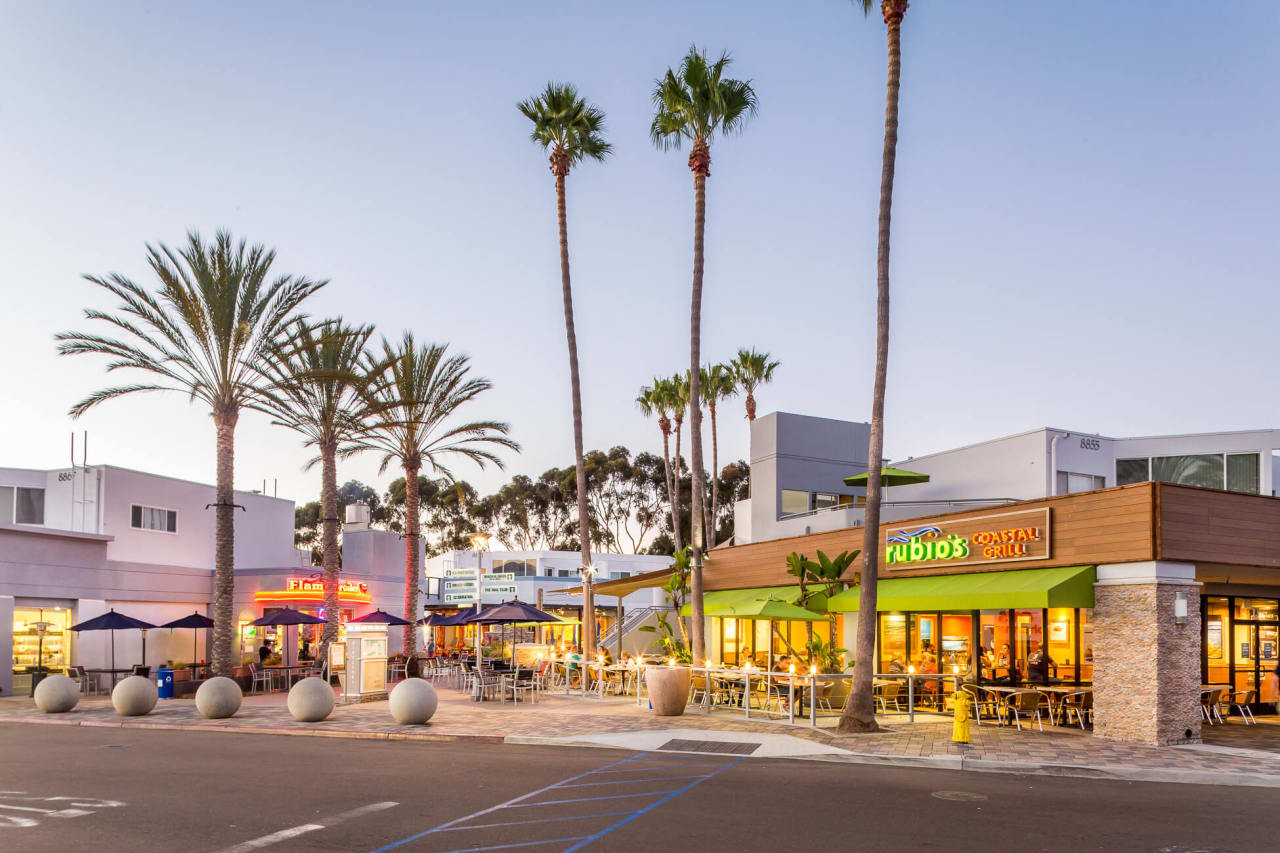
164,682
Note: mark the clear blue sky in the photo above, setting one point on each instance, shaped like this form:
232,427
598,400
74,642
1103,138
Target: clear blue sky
1085,224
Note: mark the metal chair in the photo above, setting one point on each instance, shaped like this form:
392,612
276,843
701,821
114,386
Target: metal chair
886,693
983,700
1079,703
260,676
1240,702
88,683
517,684
144,671
1025,702
1210,700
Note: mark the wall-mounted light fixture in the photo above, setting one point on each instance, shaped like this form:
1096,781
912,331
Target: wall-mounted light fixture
1180,608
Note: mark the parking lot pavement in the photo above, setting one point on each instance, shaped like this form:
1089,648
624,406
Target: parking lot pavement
69,788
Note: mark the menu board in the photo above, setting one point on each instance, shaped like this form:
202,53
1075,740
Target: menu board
374,647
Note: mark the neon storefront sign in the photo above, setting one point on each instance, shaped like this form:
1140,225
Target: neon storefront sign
1004,537
312,589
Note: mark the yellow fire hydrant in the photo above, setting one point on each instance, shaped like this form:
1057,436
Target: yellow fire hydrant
960,723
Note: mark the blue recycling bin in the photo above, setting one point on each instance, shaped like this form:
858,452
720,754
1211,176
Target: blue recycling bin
164,682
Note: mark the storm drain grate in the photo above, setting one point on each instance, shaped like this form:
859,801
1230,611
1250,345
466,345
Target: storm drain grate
728,747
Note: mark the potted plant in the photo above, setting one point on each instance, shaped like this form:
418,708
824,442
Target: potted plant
180,671
242,671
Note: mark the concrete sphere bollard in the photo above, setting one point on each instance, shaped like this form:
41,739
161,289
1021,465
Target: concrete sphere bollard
311,700
218,698
57,694
413,702
135,696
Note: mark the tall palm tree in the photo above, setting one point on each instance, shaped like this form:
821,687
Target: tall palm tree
203,332
420,389
717,384
318,387
752,369
572,130
859,713
693,104
659,399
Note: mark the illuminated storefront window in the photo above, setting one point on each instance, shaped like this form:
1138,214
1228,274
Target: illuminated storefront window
30,654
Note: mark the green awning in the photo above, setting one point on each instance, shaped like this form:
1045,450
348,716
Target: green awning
889,477
770,609
1071,586
743,603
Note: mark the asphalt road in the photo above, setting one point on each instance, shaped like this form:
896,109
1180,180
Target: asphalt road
69,789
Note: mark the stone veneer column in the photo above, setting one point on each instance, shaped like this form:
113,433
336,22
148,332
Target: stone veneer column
1146,667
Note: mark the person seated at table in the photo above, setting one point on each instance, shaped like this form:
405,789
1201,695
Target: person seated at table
305,652
896,665
928,664
1038,665
572,659
264,651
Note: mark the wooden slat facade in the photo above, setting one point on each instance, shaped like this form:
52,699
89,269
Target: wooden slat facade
1126,524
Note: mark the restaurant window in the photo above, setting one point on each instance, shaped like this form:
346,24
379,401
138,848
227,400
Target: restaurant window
954,643
1086,645
823,500
1204,470
1028,639
794,502
29,653
1130,471
154,518
1217,621
21,505
893,642
1061,644
1242,473
997,652
1257,609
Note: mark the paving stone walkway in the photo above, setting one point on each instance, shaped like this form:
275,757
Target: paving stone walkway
1252,750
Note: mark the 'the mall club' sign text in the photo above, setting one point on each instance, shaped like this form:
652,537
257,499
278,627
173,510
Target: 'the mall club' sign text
1000,538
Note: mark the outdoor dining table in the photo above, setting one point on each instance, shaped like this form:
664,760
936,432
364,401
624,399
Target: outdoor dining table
114,673
287,669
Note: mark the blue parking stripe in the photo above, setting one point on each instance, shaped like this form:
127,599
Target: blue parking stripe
515,844
633,781
533,820
626,820
588,799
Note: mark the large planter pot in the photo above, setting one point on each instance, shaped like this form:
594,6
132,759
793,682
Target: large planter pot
182,675
668,688
241,672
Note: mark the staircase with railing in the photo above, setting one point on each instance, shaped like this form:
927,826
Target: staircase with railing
632,620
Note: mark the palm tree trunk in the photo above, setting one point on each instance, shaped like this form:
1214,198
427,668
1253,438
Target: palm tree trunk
698,484
715,479
676,503
224,536
329,546
751,406
412,568
666,464
584,528
859,711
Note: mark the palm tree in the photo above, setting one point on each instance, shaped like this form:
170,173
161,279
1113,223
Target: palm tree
318,388
752,369
717,384
571,129
659,399
419,389
202,333
693,104
859,712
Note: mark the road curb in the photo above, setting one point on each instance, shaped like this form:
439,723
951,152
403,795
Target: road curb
1121,773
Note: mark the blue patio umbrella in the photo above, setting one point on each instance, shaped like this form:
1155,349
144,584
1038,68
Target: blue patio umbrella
432,620
382,617
508,613
195,621
285,617
113,621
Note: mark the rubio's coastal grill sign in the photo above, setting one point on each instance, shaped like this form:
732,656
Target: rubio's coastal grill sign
1002,538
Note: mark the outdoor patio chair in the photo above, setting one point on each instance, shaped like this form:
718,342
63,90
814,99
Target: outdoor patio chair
824,695
1079,704
1210,700
88,683
397,667
698,686
765,694
1027,702
887,693
1240,702
144,671
261,677
983,700
517,682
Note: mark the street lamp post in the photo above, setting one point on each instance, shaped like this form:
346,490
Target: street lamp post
480,541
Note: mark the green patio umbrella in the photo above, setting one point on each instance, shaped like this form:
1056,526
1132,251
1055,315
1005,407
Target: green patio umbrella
889,477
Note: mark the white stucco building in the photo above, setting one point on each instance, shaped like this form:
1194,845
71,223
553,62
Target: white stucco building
798,464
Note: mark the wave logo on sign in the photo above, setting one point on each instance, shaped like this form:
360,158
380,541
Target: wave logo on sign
905,537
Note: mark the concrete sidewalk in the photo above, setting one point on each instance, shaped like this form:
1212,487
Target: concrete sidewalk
1233,755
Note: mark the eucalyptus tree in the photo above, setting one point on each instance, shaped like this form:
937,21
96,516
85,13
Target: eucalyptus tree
660,399
203,332
717,384
752,369
859,713
318,387
419,390
693,104
573,131
679,407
